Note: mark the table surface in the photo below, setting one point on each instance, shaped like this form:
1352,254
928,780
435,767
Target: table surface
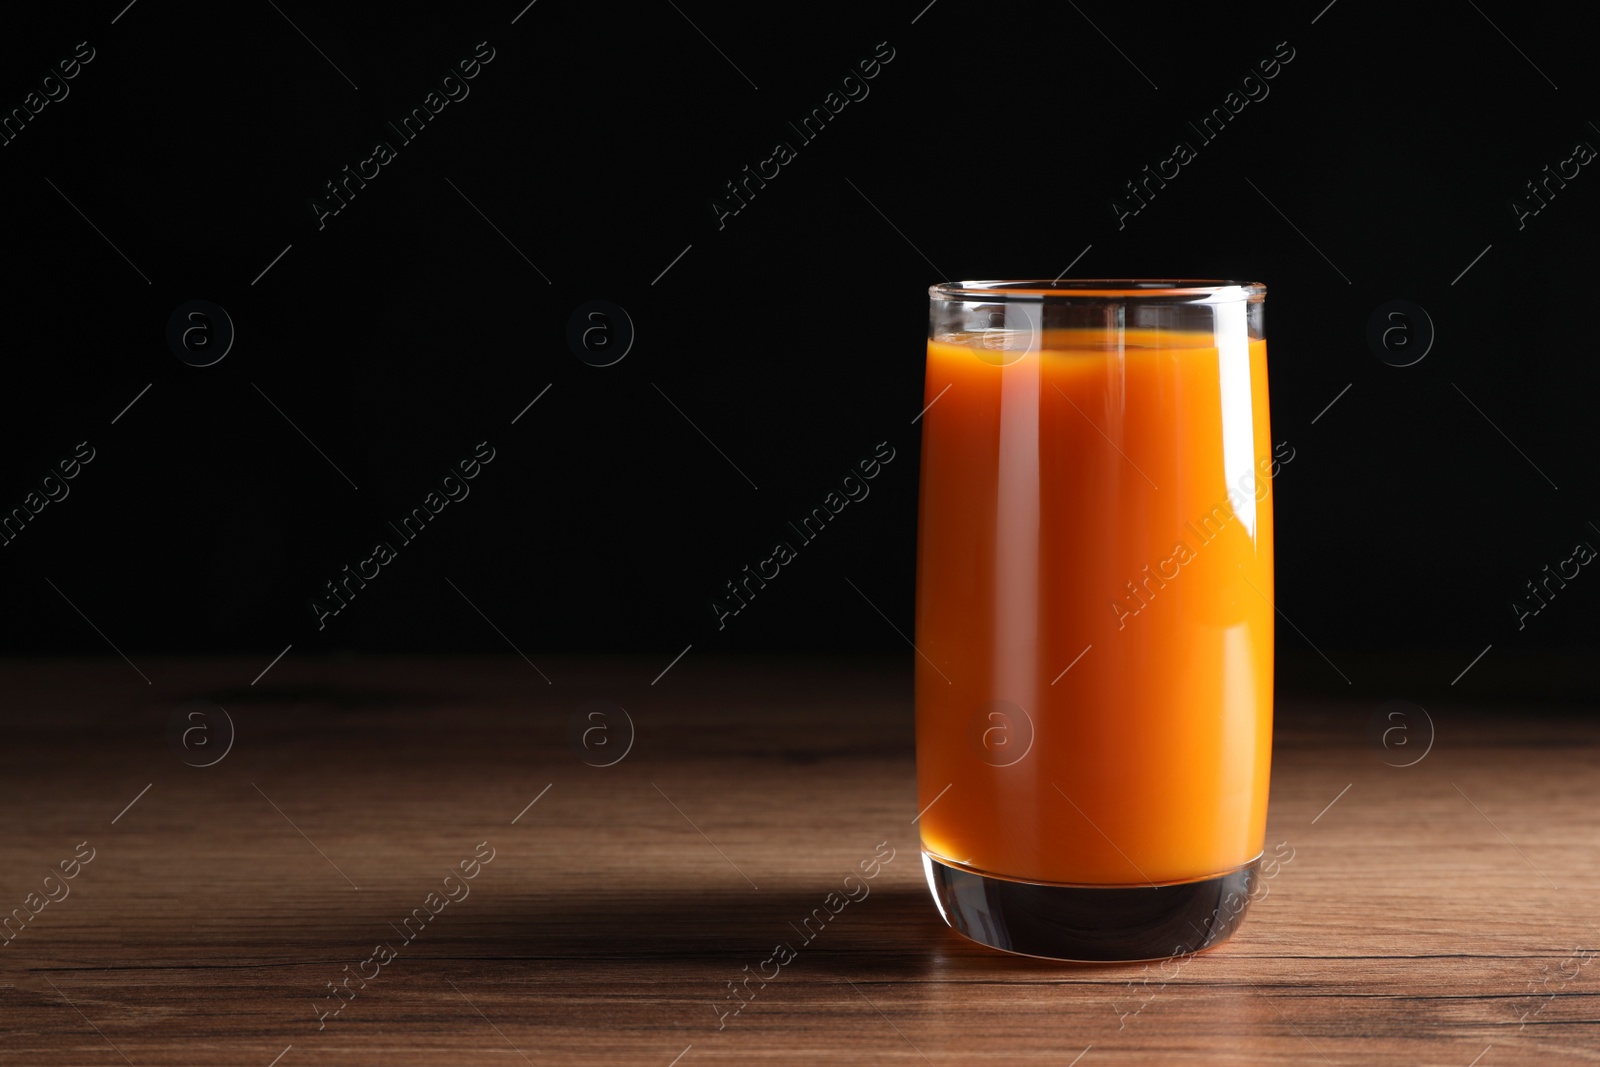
1439,913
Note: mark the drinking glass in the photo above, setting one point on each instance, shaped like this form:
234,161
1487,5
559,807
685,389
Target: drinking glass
1094,619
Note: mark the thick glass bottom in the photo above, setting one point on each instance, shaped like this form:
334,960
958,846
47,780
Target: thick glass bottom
1092,923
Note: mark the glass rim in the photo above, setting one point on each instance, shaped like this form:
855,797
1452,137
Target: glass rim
1169,290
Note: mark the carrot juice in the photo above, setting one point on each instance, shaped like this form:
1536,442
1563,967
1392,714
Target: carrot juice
1094,620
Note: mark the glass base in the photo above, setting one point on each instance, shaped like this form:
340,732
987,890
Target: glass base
1094,924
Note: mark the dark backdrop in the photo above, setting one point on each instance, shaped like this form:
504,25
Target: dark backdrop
424,316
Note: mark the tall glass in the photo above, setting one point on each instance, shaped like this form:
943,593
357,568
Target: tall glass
1094,613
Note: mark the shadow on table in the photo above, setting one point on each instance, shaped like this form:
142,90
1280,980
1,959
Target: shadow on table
891,932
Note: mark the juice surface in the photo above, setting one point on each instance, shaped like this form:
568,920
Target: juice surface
1108,491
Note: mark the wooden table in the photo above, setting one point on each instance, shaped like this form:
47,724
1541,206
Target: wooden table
1442,913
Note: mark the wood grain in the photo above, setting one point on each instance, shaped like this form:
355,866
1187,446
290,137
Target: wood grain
1431,913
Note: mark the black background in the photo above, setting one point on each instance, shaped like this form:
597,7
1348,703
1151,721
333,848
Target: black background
407,328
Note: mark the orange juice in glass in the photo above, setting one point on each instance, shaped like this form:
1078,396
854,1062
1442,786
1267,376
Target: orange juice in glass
1094,613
